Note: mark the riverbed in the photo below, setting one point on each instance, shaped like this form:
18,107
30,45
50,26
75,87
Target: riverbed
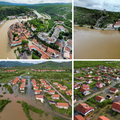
96,44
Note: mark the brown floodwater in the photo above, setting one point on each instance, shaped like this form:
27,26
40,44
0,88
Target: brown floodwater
96,44
5,50
14,110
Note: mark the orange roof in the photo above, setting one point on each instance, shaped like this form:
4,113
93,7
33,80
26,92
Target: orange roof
35,41
44,54
98,98
50,50
37,90
51,91
69,92
55,95
62,88
22,87
39,96
103,118
116,105
79,117
63,104
16,42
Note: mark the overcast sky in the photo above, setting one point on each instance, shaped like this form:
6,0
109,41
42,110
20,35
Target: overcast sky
35,62
109,5
37,1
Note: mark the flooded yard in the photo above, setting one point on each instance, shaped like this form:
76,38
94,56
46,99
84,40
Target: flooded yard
16,108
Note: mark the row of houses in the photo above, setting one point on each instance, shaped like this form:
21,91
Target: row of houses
45,49
49,91
46,70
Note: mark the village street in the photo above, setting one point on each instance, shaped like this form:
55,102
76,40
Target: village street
60,94
99,92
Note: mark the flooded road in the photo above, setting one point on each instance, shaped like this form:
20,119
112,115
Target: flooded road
29,98
96,44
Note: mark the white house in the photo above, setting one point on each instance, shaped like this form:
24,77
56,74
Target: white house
62,105
40,97
55,97
99,98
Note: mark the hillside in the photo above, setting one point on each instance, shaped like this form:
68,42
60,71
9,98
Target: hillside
12,10
79,64
87,16
44,65
53,65
55,10
13,64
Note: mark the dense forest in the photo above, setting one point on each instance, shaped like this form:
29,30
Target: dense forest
56,11
79,64
84,16
12,10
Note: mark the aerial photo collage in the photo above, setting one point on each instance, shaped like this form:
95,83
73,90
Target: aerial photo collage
60,60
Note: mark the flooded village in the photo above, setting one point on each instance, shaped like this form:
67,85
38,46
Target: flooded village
39,38
31,97
97,90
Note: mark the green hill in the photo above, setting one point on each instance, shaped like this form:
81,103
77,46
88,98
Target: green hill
87,16
55,10
12,10
13,64
53,65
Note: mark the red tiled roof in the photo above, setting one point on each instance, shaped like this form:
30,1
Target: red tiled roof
79,117
98,98
113,89
83,108
55,95
116,105
103,118
63,104
44,55
39,96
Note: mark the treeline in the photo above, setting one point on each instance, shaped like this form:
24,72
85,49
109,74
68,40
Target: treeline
12,10
68,23
3,103
79,64
84,16
8,88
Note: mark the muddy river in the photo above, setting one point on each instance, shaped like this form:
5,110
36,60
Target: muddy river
96,44
14,110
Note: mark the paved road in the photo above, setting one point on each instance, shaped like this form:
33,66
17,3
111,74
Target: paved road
82,101
60,94
39,15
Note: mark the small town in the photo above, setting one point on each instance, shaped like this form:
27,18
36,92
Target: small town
36,36
97,92
52,95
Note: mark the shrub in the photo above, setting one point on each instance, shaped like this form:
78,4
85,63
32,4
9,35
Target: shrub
18,101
